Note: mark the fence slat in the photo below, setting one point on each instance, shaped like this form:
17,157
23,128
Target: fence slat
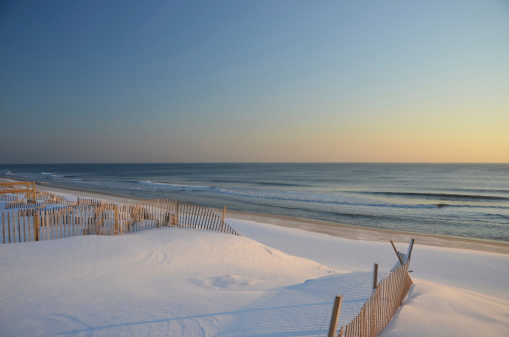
25,219
19,226
9,225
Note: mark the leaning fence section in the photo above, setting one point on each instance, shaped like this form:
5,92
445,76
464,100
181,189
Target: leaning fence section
52,218
378,310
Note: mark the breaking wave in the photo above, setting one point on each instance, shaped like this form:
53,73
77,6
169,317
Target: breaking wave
442,196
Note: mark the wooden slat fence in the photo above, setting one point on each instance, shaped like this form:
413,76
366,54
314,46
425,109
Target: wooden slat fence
25,204
19,187
50,197
9,197
96,217
378,310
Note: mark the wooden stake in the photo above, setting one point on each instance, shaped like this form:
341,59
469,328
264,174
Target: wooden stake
36,227
397,253
9,225
19,226
34,193
410,248
116,231
335,315
57,224
375,275
177,220
46,224
25,226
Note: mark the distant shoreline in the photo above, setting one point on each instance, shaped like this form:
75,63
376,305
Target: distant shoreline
325,227
372,234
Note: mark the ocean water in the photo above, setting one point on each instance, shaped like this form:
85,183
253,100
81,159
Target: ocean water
463,200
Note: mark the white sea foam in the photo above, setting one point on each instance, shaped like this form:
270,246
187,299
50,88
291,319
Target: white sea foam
53,175
325,198
174,186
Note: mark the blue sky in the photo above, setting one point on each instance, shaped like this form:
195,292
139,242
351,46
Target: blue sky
254,81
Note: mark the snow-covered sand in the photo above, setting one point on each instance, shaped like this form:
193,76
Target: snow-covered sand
273,281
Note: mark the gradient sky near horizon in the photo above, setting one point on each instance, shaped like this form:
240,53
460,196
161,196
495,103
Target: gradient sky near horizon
254,81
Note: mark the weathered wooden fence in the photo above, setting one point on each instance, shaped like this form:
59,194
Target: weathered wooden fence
19,187
378,310
96,217
24,204
9,197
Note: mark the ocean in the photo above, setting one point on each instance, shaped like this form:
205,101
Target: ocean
461,200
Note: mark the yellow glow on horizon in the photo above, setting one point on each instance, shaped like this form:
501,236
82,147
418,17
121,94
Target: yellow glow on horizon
461,135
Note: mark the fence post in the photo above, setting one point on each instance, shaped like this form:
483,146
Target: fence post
36,227
410,247
375,275
224,216
19,227
335,315
34,193
115,229
9,225
177,215
397,253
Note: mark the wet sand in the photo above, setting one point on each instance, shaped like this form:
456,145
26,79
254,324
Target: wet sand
324,227
371,234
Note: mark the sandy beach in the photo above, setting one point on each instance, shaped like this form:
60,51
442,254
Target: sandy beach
278,279
340,230
254,168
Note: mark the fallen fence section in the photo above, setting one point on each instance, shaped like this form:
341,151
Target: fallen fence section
53,218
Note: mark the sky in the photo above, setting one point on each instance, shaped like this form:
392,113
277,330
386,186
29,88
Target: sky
89,81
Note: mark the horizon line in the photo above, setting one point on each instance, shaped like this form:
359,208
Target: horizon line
242,162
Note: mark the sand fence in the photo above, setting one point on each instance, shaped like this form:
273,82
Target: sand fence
52,217
378,310
49,216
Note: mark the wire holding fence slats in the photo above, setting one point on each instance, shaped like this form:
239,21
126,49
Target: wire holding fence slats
97,217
